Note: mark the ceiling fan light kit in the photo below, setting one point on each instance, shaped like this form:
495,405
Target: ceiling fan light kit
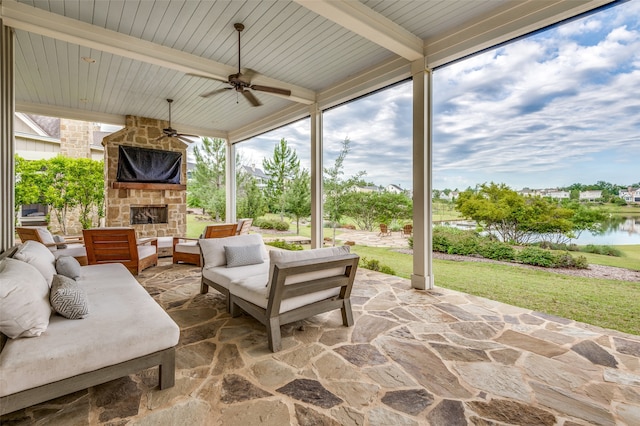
241,82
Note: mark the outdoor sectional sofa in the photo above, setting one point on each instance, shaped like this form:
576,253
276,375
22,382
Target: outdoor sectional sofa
125,330
278,287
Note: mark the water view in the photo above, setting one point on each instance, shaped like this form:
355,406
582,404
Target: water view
615,231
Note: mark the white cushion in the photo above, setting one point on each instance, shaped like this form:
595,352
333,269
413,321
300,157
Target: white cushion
24,300
39,256
243,255
165,242
252,289
146,251
107,336
225,276
47,238
213,248
188,247
73,250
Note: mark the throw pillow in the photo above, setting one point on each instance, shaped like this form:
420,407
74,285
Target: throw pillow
36,254
24,300
68,298
59,239
213,248
68,266
46,238
243,255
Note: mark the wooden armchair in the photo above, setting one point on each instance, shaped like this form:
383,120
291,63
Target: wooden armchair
244,225
119,245
384,230
186,250
60,246
407,230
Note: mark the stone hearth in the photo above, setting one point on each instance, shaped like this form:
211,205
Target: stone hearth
119,199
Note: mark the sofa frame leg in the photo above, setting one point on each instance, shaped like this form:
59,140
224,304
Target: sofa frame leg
167,369
347,313
273,334
204,288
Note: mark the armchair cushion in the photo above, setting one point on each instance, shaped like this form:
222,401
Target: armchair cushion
47,238
24,300
38,255
188,247
146,251
68,266
68,298
243,255
59,239
213,250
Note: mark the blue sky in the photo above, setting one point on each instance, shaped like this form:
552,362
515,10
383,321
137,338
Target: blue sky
559,107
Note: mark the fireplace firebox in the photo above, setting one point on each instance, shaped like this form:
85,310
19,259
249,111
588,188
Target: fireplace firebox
149,214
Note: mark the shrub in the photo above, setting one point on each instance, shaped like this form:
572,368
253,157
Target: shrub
536,256
278,225
374,265
604,250
410,240
497,250
285,245
565,260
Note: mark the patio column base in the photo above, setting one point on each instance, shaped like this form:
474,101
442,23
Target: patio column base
421,282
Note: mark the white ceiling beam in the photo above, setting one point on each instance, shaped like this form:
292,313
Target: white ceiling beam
514,19
362,20
38,21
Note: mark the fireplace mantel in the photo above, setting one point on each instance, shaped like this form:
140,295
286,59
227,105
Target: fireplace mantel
149,186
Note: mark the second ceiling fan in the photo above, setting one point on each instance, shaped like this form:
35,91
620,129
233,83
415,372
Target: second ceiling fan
241,82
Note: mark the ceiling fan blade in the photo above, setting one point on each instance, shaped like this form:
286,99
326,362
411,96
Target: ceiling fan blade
160,138
214,92
185,140
254,101
207,77
248,74
269,89
187,135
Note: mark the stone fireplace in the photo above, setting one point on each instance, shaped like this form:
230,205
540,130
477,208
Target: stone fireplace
153,209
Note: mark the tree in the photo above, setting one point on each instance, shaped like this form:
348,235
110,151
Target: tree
336,188
513,217
281,170
62,183
207,184
369,209
299,197
250,200
28,186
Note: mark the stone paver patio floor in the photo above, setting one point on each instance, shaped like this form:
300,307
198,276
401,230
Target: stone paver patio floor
413,358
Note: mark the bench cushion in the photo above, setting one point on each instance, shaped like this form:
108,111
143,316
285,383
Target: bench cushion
225,276
124,323
38,255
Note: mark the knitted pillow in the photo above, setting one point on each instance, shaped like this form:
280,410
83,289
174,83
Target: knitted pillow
243,255
59,239
68,298
68,266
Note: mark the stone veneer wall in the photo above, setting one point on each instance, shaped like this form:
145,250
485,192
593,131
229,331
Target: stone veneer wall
75,138
142,132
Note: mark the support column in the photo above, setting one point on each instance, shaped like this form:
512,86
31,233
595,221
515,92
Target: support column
7,145
317,236
230,184
422,277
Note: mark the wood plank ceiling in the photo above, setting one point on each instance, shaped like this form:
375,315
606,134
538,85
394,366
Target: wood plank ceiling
325,51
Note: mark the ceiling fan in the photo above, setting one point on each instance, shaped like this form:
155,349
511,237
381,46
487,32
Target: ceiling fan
241,82
170,132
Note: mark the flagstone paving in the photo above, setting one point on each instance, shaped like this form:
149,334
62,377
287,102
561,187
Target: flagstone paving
413,357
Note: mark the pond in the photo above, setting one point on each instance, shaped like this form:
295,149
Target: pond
616,231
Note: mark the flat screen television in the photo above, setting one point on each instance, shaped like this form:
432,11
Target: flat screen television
148,165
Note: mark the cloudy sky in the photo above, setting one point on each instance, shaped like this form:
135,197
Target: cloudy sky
556,108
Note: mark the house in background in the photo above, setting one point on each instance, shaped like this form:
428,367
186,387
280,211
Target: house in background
631,195
592,195
258,174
